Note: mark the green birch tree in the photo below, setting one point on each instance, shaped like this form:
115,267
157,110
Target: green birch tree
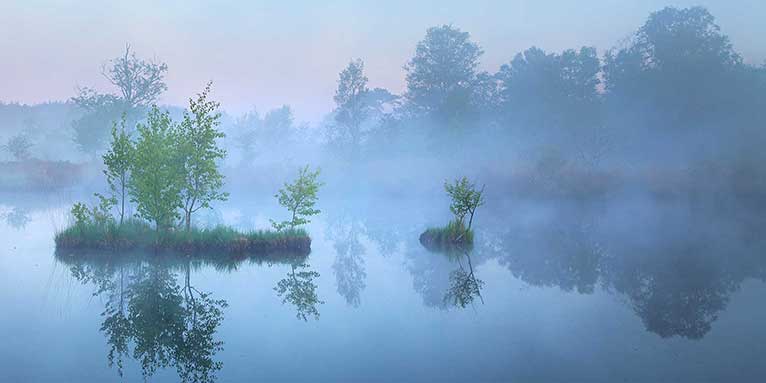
157,172
118,162
299,198
200,152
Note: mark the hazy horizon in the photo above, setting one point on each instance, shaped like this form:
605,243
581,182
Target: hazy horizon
264,56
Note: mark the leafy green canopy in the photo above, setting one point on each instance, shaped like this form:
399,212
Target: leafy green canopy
118,161
157,171
299,198
465,199
199,151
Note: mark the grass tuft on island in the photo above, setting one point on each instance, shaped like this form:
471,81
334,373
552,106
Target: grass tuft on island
136,235
454,236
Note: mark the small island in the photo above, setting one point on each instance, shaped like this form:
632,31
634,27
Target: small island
169,172
456,235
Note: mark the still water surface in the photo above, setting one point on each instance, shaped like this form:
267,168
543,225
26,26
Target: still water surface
627,290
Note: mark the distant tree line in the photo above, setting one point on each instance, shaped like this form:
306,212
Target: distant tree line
677,75
675,87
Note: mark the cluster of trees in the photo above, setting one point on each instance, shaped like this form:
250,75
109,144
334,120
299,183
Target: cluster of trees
677,81
170,170
677,74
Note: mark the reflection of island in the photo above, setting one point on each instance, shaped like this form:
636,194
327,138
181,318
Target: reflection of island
152,319
441,283
300,290
348,265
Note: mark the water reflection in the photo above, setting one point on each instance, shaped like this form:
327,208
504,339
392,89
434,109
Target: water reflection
565,254
348,265
464,286
677,271
155,320
17,218
299,289
440,282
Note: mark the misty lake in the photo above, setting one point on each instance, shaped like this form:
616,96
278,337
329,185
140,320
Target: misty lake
626,289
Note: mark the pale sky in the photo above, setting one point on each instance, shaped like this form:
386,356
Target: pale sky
268,53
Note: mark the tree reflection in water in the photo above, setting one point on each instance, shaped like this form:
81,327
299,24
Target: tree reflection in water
442,285
349,265
17,218
464,286
300,290
677,275
677,267
166,324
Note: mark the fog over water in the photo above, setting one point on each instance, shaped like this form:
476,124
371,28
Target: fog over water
614,149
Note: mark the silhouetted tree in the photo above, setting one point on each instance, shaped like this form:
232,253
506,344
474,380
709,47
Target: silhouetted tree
441,77
357,107
139,84
677,72
18,146
550,91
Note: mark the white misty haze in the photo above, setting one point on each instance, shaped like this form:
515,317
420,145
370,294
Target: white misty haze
267,54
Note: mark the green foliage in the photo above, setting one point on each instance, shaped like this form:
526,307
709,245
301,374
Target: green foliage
18,146
98,215
118,160
200,152
101,214
157,174
465,199
81,214
299,198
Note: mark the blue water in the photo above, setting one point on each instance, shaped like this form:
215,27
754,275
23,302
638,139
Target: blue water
627,290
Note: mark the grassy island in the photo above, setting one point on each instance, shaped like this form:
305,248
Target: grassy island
170,171
453,236
456,235
136,235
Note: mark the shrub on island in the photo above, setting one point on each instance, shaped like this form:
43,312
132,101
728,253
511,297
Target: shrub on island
465,200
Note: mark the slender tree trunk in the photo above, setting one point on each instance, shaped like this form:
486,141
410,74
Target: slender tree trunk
122,203
473,278
188,221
